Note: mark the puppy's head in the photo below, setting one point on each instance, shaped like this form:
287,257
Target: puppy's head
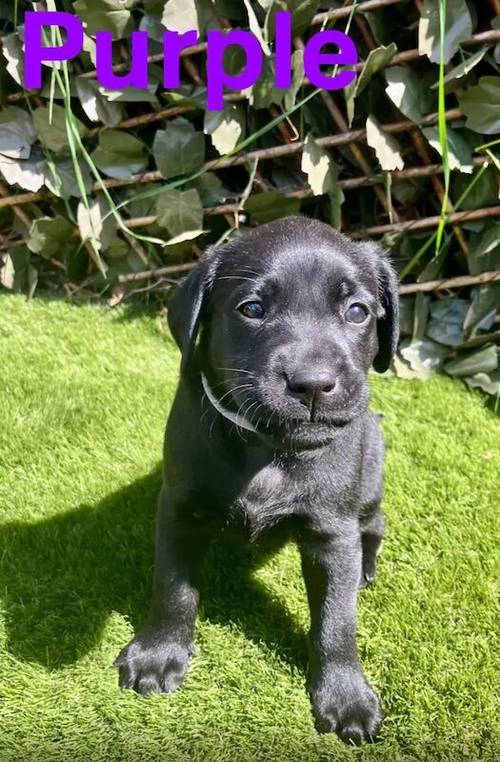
293,314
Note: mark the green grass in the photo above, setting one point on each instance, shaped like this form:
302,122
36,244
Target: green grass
85,393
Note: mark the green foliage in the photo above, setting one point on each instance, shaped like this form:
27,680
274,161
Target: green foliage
179,150
149,154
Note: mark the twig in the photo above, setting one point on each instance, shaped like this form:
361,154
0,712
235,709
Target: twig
265,154
20,213
450,283
346,10
351,183
444,284
159,116
158,273
428,222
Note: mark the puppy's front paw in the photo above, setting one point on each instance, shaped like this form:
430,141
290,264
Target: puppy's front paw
151,663
345,704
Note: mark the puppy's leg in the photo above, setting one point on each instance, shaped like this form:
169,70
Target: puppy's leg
371,517
372,532
343,702
156,659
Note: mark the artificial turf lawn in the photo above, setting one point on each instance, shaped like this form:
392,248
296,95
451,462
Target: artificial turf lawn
85,392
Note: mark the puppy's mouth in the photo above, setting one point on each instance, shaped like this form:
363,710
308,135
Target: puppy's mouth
307,435
310,425
292,427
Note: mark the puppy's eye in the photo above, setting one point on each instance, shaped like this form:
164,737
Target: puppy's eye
253,310
357,313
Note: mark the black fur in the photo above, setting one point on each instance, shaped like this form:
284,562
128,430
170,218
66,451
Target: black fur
313,468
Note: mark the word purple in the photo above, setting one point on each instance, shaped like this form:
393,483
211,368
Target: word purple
174,43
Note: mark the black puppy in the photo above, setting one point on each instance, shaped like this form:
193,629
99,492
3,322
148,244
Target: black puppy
270,425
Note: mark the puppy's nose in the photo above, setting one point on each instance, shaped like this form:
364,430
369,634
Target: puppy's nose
309,383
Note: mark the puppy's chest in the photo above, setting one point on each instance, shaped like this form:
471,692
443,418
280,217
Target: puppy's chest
266,499
279,492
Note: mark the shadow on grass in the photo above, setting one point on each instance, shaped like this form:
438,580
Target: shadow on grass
61,578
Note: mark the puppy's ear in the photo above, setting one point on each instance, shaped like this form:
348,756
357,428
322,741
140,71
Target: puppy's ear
186,307
388,323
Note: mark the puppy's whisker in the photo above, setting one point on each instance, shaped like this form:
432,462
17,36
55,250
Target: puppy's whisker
208,407
241,407
235,389
255,420
245,269
237,277
224,383
237,370
246,411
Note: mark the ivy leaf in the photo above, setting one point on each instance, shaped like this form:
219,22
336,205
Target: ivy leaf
483,309
50,236
298,79
53,134
134,94
184,15
12,51
152,25
96,106
489,383
302,12
406,313
131,94
424,357
447,320
211,189
180,16
90,223
116,248
17,133
60,178
226,128
483,360
459,150
26,173
17,273
181,213
265,93
270,205
484,253
319,167
7,272
458,27
464,68
483,193
105,15
120,155
408,91
385,145
337,198
376,61
179,150
255,28
481,106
